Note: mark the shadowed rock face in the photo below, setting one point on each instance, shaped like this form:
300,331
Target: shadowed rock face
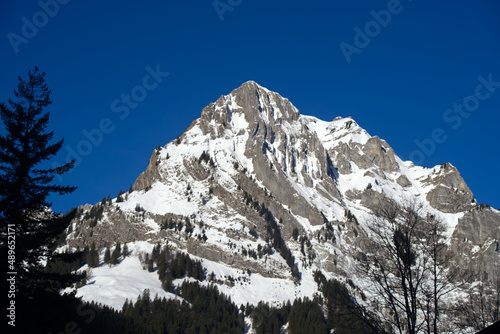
150,175
305,171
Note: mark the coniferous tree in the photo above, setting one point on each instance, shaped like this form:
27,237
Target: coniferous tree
115,256
107,256
344,314
25,211
151,265
307,317
119,198
125,250
93,257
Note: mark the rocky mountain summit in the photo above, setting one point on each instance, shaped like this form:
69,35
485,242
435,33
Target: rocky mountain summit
252,171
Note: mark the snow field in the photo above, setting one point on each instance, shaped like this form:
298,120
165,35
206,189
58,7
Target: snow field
112,286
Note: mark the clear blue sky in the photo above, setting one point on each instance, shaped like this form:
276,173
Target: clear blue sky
399,81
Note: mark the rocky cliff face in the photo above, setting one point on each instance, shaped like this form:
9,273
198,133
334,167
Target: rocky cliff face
252,157
475,243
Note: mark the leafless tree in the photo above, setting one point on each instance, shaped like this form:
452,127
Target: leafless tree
443,275
408,267
397,265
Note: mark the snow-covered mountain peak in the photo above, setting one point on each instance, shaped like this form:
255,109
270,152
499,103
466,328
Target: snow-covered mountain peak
252,170
250,84
255,102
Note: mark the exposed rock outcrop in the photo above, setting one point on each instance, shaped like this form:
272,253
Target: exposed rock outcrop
450,193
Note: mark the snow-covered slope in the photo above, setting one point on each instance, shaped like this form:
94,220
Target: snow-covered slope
113,285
